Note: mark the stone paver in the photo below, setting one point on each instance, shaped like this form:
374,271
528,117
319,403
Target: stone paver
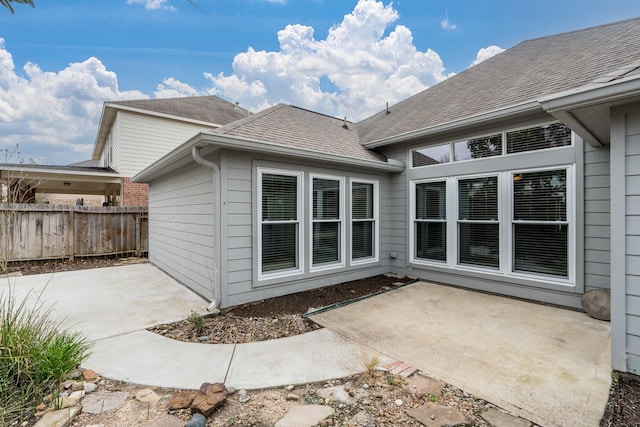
104,401
165,420
305,416
421,386
433,415
501,419
61,418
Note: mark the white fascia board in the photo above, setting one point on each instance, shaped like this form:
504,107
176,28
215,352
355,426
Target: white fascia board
617,91
528,107
204,139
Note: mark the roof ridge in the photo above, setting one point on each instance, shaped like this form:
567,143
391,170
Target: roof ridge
579,30
240,122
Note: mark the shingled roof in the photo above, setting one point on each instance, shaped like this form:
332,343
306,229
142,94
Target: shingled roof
296,127
525,73
210,109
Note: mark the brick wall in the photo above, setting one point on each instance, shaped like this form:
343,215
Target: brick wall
134,194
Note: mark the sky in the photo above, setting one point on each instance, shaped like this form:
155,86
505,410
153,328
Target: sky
61,60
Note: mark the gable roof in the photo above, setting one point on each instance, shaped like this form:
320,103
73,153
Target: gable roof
512,81
297,128
207,110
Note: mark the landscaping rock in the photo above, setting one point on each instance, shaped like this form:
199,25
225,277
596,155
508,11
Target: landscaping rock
198,420
421,386
433,415
338,393
305,416
89,375
498,418
182,400
597,303
104,401
90,387
147,396
61,418
209,397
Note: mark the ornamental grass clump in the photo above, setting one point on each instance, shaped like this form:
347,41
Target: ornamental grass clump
36,353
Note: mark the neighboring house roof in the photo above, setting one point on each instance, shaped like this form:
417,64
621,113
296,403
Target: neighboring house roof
302,129
207,110
512,82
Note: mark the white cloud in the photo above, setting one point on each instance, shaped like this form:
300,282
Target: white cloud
153,4
54,111
363,63
446,24
486,53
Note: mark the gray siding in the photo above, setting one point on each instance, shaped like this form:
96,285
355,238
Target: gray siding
632,241
597,206
181,227
239,263
396,204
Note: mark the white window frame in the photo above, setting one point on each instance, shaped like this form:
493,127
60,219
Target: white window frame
375,219
299,221
414,220
571,226
341,221
505,219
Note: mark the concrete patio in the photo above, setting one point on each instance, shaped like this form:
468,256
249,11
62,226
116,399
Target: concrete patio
546,364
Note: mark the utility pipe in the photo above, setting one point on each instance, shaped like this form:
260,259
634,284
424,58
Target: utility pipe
197,156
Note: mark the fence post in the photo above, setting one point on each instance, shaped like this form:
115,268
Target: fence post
70,233
138,236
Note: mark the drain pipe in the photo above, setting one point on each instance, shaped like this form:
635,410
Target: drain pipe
215,303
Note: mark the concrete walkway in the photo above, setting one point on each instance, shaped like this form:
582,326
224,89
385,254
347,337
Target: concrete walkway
113,306
545,364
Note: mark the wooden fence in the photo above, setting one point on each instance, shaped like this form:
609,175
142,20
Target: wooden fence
35,232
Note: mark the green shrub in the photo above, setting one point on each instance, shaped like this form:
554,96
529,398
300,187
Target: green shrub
36,353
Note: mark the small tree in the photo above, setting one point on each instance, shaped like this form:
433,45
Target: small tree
7,3
16,188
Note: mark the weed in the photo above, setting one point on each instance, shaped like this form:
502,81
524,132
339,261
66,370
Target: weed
370,367
196,321
36,353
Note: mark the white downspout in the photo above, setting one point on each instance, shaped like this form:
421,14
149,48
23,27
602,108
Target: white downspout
195,152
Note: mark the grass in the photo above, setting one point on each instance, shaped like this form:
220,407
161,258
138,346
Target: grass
36,354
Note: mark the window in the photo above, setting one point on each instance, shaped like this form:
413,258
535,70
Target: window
279,216
327,226
431,220
540,137
363,220
478,222
540,222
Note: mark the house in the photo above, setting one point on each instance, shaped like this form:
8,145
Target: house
133,134
518,176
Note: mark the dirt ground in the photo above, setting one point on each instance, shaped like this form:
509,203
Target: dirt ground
267,406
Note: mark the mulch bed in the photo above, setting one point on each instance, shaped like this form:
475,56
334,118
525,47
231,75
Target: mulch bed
623,408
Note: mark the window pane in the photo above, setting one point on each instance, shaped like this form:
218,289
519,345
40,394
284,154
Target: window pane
326,242
431,240
431,200
431,155
326,199
541,248
538,138
362,200
279,246
478,199
479,244
486,146
362,239
279,197
540,196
